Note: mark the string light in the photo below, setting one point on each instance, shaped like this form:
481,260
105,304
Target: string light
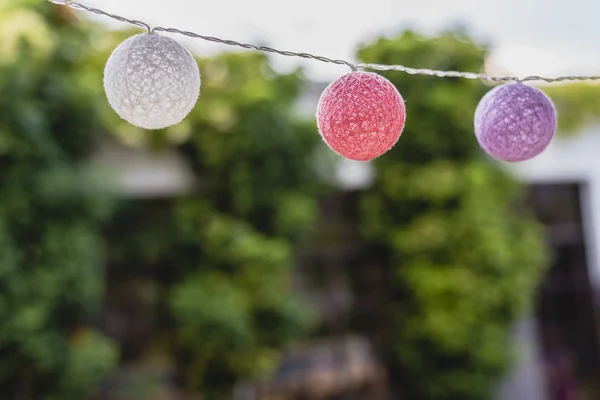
379,67
496,115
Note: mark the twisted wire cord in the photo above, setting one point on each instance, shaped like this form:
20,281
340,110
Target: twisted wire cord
254,47
377,67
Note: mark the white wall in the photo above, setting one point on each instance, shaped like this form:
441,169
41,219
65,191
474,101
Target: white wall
526,379
574,159
141,173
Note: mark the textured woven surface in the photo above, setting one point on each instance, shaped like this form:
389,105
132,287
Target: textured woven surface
151,81
515,122
361,115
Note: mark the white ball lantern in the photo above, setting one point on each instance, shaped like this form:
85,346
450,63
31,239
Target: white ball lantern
151,81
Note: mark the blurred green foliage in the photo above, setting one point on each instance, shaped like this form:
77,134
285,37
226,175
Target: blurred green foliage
577,105
51,208
218,261
219,258
466,257
222,256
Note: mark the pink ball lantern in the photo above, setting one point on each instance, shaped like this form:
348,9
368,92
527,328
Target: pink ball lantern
361,115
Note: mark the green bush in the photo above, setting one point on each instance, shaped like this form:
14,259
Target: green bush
51,208
465,256
222,257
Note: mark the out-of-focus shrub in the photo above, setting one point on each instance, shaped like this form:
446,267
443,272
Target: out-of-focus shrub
465,256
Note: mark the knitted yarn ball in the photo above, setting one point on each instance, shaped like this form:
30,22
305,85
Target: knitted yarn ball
515,122
361,115
151,81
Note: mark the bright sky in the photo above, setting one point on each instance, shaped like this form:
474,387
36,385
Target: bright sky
548,37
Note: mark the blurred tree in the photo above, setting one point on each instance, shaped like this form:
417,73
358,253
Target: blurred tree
51,208
221,258
465,256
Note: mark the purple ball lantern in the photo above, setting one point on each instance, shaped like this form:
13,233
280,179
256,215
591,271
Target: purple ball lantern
515,122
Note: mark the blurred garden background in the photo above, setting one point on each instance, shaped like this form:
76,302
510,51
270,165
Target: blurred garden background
234,256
